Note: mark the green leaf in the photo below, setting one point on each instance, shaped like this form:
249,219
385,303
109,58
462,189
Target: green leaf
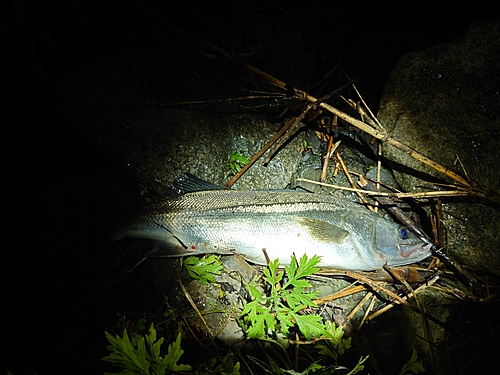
283,303
313,367
255,293
144,357
153,344
305,268
412,366
310,325
237,160
257,327
272,276
203,269
124,355
297,298
285,319
174,354
141,349
151,334
226,367
155,350
334,332
267,369
359,367
336,345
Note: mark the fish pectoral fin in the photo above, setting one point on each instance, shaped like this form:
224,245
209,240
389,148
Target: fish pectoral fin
322,231
170,248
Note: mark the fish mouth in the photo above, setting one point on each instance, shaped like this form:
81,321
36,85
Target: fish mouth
413,251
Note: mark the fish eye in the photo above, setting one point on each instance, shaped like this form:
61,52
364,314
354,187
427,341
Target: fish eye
403,232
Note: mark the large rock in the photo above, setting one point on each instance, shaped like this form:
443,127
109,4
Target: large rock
158,145
444,102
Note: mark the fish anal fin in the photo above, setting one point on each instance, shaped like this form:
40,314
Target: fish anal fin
323,231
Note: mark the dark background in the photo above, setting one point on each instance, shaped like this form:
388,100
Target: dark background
60,186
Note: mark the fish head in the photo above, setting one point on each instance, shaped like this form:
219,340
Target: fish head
396,245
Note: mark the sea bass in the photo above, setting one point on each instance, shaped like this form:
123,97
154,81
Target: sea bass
204,218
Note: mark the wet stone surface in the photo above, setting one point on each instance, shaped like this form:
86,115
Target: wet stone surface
444,102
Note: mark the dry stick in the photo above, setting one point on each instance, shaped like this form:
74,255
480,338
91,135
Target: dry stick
198,340
291,124
371,355
353,184
376,123
363,114
390,306
343,293
359,288
473,188
379,169
410,274
367,312
395,298
380,288
390,294
425,323
457,294
382,135
424,194
329,152
462,274
282,131
359,305
314,106
284,136
326,159
439,228
195,308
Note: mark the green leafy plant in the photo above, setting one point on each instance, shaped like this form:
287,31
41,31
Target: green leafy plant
412,366
203,269
170,314
270,316
237,161
273,368
306,147
141,354
280,310
226,366
314,367
336,345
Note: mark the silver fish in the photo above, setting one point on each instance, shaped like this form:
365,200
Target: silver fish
205,218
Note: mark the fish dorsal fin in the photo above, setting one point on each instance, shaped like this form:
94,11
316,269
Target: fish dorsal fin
322,230
190,183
